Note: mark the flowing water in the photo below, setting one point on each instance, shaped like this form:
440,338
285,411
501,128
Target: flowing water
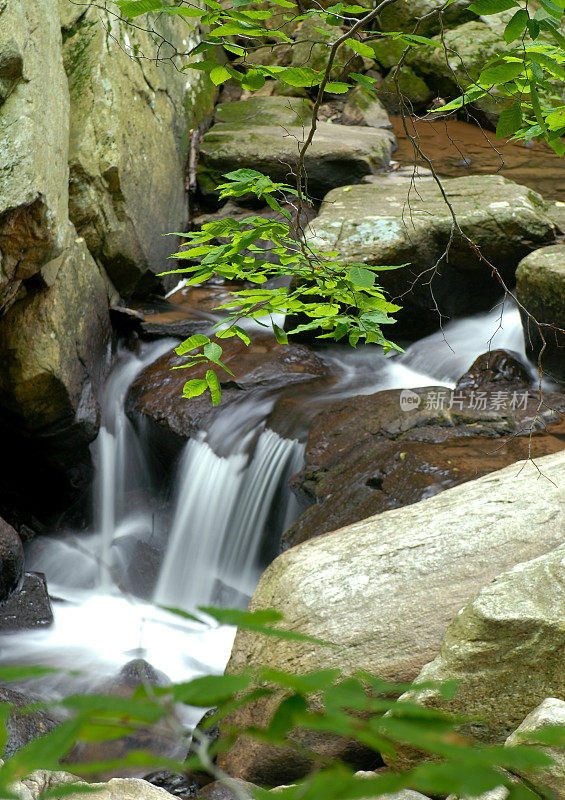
208,540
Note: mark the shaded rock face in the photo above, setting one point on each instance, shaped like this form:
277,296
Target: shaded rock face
34,113
264,366
27,608
518,619
128,141
185,785
385,589
541,290
11,560
405,226
338,155
551,712
55,344
374,452
24,726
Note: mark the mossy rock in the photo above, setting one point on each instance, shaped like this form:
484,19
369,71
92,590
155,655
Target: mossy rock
415,94
339,154
259,110
397,224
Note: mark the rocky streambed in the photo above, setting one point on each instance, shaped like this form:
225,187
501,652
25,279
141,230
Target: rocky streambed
388,505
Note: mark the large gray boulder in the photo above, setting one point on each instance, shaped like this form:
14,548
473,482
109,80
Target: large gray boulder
505,648
385,589
382,224
540,288
130,120
339,154
34,113
116,789
550,713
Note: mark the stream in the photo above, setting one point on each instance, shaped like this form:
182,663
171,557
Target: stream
208,538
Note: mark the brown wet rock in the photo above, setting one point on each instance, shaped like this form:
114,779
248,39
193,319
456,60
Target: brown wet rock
28,607
494,368
263,366
189,310
366,455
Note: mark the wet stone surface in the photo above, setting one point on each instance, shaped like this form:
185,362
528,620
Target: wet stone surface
370,453
27,608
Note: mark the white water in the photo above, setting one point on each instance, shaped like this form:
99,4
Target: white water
231,497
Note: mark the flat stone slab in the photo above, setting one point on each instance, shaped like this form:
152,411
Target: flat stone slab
29,607
390,222
339,154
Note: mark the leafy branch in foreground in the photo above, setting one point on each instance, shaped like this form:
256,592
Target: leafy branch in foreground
342,300
362,707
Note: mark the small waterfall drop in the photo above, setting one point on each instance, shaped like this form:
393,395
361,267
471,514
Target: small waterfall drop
223,507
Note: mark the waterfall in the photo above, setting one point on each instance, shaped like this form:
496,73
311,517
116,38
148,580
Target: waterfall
223,508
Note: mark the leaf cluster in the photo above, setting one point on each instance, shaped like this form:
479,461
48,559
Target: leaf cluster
340,299
362,707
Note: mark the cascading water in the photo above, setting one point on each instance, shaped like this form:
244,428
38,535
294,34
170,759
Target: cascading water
221,515
231,499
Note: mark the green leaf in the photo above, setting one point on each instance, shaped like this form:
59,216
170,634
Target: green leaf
487,7
299,76
194,388
337,87
550,64
185,11
361,277
133,8
280,335
219,74
259,621
211,690
500,73
214,386
361,48
197,340
552,9
556,120
9,673
510,120
213,352
253,80
516,26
